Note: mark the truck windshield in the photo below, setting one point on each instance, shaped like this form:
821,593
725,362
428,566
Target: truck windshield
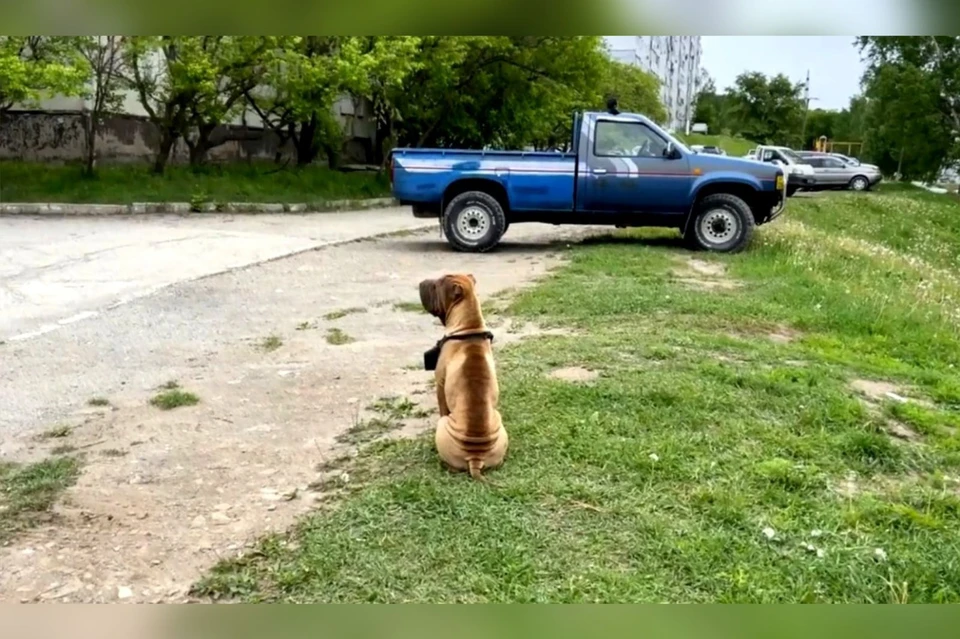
790,155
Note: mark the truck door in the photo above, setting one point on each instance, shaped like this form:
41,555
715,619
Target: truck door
624,168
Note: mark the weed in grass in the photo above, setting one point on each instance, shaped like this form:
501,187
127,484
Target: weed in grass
409,307
98,401
170,385
27,492
398,408
343,312
113,452
170,399
271,343
57,432
337,337
63,449
305,326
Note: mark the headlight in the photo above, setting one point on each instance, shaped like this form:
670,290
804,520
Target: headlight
779,181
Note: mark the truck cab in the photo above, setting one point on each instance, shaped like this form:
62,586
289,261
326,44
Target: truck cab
622,170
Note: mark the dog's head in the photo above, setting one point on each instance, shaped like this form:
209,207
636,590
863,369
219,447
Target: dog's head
438,296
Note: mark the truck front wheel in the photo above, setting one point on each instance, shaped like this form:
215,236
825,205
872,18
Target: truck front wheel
474,221
721,222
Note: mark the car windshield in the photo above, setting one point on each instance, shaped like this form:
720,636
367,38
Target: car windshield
790,155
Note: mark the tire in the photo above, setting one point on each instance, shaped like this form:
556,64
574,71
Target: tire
722,223
792,190
859,183
474,222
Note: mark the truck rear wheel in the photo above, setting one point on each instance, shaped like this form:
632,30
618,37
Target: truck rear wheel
474,221
722,223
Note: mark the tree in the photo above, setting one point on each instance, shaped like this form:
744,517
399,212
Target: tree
907,133
193,83
32,67
635,90
224,69
476,91
928,68
104,58
305,77
385,64
714,109
770,111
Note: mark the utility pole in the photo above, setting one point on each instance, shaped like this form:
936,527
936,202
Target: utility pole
806,108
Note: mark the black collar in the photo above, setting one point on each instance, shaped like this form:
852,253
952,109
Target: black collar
431,357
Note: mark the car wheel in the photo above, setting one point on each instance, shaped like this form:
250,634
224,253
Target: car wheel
474,221
792,190
722,223
859,183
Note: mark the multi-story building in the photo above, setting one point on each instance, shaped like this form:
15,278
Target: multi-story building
674,60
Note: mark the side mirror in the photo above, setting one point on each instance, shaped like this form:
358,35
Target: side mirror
671,152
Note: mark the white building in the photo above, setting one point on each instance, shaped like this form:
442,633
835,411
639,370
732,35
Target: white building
674,60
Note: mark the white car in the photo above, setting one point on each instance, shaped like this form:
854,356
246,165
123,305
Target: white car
799,174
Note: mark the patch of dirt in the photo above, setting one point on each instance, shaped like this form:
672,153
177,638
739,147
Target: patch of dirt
164,495
783,335
703,275
901,431
574,374
874,390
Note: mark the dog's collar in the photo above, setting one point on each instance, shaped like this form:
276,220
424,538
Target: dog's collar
431,357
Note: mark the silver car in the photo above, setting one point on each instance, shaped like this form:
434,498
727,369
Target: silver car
839,172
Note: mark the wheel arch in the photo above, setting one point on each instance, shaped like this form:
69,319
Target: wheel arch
489,186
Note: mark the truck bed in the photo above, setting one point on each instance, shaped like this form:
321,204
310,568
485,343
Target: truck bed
533,180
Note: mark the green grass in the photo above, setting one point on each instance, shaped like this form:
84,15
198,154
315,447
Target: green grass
337,337
409,307
734,146
271,343
28,491
123,184
174,398
707,462
343,312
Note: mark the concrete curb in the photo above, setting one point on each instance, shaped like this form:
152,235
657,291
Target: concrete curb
185,208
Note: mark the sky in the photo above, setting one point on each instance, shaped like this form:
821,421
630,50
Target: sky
834,63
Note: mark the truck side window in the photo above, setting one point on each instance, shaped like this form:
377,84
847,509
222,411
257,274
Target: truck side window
627,139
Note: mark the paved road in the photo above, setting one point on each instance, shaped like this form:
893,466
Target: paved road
56,271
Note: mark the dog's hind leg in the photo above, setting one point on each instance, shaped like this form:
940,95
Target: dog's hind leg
448,447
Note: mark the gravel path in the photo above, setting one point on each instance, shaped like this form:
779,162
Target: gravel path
164,494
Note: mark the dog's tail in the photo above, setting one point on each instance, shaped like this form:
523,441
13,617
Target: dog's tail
475,466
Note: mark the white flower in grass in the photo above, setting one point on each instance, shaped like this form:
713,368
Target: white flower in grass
816,532
880,554
769,532
654,457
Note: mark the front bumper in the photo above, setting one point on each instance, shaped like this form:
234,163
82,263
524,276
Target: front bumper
801,180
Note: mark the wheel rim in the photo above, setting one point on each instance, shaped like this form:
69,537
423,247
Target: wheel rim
719,226
473,223
859,184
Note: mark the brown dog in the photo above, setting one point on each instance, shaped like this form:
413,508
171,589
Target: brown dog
470,434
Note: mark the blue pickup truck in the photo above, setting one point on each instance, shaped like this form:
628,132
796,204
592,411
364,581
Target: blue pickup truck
623,170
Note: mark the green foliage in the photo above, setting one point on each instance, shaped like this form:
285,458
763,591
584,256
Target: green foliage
770,110
913,85
33,67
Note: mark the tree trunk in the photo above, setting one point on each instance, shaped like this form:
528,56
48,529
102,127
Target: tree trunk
168,138
202,145
90,134
306,142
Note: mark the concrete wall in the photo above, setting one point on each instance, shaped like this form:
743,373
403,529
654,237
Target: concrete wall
57,136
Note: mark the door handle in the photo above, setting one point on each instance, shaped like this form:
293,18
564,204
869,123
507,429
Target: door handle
599,171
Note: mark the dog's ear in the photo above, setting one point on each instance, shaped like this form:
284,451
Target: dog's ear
472,278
